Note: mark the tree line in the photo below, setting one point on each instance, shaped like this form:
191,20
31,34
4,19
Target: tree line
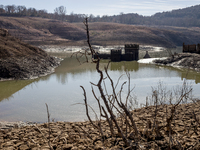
186,17
18,11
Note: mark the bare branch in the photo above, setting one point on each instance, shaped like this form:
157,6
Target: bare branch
48,115
86,106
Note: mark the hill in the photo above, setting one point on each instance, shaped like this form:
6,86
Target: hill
115,33
40,31
19,60
186,17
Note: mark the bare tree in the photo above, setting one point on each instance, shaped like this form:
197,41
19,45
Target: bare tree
60,12
2,9
110,103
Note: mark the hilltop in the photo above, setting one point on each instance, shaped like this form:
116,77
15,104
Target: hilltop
19,60
40,31
184,17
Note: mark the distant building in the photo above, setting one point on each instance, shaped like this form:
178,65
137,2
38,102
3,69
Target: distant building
191,48
131,53
116,55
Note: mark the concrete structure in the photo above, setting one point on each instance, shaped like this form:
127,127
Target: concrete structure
191,48
131,53
116,55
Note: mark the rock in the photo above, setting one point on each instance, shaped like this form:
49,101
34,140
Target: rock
67,147
74,148
183,124
10,148
23,147
98,147
183,60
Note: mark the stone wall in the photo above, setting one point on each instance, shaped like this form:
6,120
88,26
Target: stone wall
191,48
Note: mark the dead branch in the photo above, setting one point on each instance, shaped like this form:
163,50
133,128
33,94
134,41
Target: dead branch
109,122
88,37
48,115
122,105
86,106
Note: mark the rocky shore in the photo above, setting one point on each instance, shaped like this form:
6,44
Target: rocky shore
9,125
185,133
182,60
27,67
19,60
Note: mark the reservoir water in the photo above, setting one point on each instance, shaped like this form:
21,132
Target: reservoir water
24,100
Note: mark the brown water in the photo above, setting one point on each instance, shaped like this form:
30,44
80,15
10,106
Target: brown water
25,100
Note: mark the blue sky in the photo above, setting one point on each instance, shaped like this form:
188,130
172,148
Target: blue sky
106,7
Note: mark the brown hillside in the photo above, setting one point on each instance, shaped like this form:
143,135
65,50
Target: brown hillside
159,36
19,60
12,47
42,31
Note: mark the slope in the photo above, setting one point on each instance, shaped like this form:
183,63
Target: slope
19,60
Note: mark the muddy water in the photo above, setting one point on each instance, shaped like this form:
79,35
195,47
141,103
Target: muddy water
25,100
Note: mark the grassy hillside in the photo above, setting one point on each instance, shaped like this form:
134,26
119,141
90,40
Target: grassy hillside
47,31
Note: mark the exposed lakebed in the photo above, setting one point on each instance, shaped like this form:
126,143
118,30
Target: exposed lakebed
24,100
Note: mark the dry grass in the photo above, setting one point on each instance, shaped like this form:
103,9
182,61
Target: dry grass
46,31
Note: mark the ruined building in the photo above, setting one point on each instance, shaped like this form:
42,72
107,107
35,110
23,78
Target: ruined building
131,53
191,48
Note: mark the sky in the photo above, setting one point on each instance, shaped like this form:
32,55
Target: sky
105,7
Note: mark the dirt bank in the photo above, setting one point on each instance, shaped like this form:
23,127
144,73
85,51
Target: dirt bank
19,60
185,132
182,60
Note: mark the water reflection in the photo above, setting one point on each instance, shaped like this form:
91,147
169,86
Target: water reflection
62,88
71,67
191,76
8,88
120,66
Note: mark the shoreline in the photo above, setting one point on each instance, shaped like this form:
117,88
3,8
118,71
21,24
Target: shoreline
180,61
13,124
19,60
4,125
25,73
82,135
190,61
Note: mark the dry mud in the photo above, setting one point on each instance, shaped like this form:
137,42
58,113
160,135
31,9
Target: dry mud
185,133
